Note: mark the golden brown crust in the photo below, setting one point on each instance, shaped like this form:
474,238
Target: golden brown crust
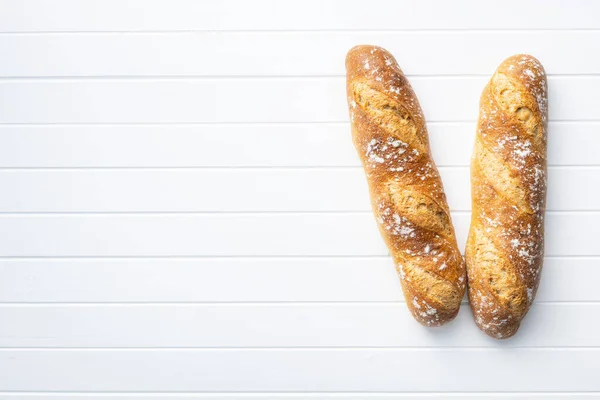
389,133
505,247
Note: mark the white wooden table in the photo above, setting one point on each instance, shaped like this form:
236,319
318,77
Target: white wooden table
182,214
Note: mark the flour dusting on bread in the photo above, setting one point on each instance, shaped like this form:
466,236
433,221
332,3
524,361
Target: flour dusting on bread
505,246
389,133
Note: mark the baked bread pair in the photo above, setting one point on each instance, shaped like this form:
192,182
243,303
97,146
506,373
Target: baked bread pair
505,246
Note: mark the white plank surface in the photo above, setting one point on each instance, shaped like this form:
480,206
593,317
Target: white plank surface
277,326
243,234
212,100
243,145
183,214
297,396
264,190
294,370
284,53
204,15
239,280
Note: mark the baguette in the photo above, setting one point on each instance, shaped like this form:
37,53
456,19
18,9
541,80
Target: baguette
407,196
505,246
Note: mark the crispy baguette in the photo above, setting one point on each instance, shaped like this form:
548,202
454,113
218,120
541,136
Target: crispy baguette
407,196
505,247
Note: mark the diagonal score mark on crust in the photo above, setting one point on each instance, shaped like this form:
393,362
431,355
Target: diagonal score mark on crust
446,296
424,211
390,135
498,177
508,189
509,95
495,273
388,114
